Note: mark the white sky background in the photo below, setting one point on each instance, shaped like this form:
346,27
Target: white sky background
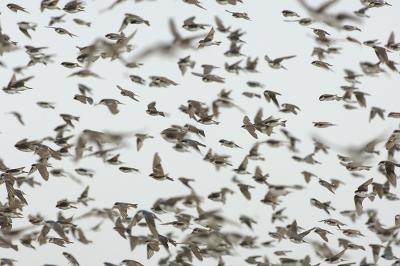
301,84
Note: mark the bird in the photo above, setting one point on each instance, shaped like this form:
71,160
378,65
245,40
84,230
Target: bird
208,40
289,13
128,93
71,259
220,25
242,15
391,43
228,143
158,172
15,8
18,116
361,193
152,110
322,64
376,111
249,127
132,19
389,170
322,233
190,25
140,138
123,208
111,104
276,63
272,96
185,63
206,76
326,206
337,257
160,81
294,235
242,168
62,31
24,27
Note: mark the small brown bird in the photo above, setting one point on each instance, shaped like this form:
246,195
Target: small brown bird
71,259
259,177
65,204
388,167
140,138
322,64
83,99
360,97
152,110
391,43
126,169
249,126
248,221
24,27
220,25
185,63
327,185
244,189
57,19
350,28
376,250
62,31
18,116
190,25
361,193
158,172
241,15
323,124
322,233
289,13
16,86
276,63
15,8
132,19
162,82
242,168
206,76
376,111
123,208
194,2
82,22
208,40
381,53
272,96
228,143
186,181
326,206
333,222
111,104
289,108
70,65
128,93
337,257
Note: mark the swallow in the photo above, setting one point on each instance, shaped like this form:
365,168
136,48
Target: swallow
15,8
276,63
388,167
249,127
208,40
24,27
158,172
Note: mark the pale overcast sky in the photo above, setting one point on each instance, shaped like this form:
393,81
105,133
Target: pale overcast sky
301,84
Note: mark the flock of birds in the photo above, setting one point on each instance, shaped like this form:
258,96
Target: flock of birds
197,235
